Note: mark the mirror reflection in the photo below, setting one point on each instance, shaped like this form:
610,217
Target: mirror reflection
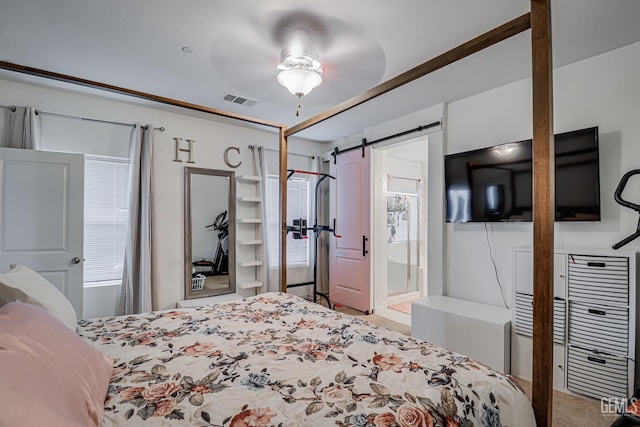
209,232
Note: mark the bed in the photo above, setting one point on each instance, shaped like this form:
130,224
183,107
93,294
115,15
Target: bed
539,22
278,360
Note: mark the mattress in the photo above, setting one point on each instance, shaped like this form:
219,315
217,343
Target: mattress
278,360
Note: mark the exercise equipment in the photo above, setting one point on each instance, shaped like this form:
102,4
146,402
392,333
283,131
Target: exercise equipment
221,257
220,264
618,197
300,230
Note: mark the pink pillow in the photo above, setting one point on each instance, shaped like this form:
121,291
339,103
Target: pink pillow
48,375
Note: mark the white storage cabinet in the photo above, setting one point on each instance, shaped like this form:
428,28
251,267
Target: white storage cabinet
594,320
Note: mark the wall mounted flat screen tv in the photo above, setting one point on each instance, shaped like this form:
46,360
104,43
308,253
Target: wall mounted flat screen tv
495,183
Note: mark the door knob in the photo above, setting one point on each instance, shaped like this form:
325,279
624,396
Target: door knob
75,260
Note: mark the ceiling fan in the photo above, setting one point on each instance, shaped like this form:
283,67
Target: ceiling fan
252,56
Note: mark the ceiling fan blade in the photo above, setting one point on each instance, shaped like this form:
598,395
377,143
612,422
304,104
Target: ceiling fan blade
246,56
246,62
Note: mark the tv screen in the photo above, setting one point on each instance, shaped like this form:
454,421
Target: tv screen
495,183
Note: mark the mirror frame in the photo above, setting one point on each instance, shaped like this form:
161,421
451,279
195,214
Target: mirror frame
231,215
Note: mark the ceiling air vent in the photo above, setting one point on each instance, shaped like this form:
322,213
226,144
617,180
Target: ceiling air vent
239,100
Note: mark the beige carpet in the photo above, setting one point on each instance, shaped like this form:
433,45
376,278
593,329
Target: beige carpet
568,410
378,320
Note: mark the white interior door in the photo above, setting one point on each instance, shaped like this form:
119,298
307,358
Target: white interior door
41,210
349,257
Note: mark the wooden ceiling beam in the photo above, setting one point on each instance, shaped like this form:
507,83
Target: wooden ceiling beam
134,93
498,34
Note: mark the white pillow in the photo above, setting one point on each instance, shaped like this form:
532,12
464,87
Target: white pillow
25,285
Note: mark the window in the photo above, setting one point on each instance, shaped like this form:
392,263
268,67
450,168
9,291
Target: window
297,207
106,212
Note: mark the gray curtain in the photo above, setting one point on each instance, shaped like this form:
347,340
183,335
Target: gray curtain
260,165
21,128
136,281
322,255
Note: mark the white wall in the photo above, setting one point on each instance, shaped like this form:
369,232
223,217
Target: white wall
405,169
212,135
101,301
602,91
81,136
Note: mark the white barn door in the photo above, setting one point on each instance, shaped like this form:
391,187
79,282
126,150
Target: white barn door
41,216
349,255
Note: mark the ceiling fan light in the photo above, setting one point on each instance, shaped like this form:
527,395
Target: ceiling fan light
299,74
299,81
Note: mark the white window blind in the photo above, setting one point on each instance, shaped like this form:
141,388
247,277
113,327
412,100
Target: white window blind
297,207
106,211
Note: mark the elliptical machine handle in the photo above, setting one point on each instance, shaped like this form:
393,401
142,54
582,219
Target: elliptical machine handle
618,197
623,183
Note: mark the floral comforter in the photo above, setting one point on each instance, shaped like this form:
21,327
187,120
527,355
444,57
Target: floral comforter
278,360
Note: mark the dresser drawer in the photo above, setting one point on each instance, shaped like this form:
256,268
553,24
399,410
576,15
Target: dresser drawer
524,317
597,375
604,279
599,327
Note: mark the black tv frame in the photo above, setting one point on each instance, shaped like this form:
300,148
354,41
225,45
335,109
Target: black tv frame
524,213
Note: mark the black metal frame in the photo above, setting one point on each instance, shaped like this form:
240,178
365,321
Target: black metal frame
317,229
618,198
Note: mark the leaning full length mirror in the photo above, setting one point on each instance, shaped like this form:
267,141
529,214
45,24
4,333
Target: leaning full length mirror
209,232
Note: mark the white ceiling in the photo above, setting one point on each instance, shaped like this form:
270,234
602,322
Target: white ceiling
236,46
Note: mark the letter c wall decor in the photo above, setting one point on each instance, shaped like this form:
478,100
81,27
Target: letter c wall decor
226,157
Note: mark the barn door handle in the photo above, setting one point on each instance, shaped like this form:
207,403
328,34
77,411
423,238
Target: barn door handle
364,246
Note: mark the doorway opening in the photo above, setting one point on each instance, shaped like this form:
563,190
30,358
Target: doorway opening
403,250
399,194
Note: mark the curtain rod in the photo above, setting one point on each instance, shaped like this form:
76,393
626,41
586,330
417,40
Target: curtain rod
10,107
406,179
252,147
66,116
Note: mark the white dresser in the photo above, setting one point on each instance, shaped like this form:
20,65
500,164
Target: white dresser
594,320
